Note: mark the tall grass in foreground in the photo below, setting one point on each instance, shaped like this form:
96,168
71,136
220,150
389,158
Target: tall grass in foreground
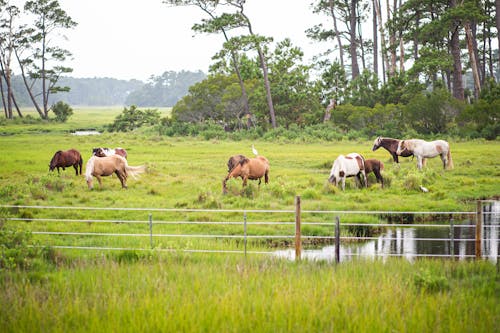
201,293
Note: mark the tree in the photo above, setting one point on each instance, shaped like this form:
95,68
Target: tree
8,14
62,111
133,118
48,19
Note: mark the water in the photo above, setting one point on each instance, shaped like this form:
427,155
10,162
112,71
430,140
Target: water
83,133
413,242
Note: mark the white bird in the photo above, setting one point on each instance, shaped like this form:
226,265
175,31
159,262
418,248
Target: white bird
423,189
254,151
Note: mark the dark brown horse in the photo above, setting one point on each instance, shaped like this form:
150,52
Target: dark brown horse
102,152
391,145
375,166
64,159
249,168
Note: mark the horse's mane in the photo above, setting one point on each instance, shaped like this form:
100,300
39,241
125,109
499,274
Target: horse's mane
89,168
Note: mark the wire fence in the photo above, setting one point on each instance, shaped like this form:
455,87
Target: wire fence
292,234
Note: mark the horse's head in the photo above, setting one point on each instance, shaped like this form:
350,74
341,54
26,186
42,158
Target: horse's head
99,152
376,143
54,161
401,147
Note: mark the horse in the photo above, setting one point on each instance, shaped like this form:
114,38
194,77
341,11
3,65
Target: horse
233,161
102,152
375,166
391,145
63,159
249,168
347,166
106,166
427,149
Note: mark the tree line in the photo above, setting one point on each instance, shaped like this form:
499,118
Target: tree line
430,62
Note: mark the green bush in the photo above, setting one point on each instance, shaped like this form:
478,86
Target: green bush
62,111
17,250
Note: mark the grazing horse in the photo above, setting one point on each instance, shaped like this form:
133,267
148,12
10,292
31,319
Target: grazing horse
391,145
428,149
233,161
63,159
106,166
348,166
375,166
249,168
102,152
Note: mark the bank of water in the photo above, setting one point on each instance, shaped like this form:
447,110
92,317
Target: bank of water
415,241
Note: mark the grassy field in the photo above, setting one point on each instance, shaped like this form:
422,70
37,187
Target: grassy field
129,292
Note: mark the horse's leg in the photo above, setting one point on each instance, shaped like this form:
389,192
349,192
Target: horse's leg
266,177
99,180
76,169
122,177
419,162
395,157
343,183
365,178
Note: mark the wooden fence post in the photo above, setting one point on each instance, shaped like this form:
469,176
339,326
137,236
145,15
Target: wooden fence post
479,228
337,239
298,244
245,231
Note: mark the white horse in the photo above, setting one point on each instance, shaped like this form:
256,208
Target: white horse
427,149
348,166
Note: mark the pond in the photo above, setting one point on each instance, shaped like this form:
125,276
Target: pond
413,242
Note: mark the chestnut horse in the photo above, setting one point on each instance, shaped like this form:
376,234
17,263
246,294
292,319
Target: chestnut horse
375,166
102,152
106,166
427,149
63,159
249,168
351,165
391,145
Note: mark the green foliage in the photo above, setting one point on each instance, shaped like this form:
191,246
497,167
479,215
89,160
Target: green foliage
17,249
432,113
430,282
133,118
62,111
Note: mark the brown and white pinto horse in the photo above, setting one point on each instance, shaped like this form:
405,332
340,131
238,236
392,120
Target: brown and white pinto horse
351,165
102,152
375,166
427,149
64,159
391,145
106,166
249,168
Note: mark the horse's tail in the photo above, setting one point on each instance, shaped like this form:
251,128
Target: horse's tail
135,171
449,165
89,168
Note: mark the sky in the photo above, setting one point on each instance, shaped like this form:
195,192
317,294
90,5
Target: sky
131,39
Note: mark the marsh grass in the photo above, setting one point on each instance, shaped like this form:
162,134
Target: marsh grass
133,292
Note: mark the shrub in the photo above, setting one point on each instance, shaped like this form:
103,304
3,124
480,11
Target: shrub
62,111
17,250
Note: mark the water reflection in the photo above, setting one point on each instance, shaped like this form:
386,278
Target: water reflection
412,242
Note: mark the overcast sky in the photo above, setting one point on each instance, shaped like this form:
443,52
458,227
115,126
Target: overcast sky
130,39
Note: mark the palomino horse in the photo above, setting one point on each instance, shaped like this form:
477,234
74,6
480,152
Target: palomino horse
427,149
102,152
63,159
348,166
375,166
249,168
391,145
106,166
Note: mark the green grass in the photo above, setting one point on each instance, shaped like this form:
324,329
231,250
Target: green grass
203,293
126,291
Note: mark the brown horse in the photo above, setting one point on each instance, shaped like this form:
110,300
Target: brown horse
63,159
102,152
391,145
249,168
375,166
106,166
